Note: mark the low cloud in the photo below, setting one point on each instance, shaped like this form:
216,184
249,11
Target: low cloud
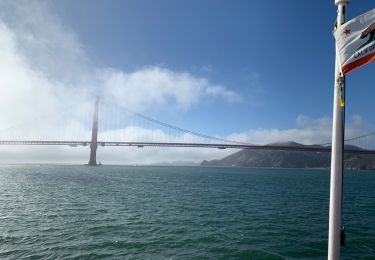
307,131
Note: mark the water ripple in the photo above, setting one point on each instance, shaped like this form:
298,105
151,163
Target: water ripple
77,212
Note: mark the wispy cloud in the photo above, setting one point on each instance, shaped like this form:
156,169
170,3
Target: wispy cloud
219,91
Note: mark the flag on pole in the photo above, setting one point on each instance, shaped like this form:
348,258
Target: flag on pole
355,41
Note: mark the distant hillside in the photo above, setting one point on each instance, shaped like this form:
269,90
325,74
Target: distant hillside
292,159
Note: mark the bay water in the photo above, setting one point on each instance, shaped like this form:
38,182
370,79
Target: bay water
154,212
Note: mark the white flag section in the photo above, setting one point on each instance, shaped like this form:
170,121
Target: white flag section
355,40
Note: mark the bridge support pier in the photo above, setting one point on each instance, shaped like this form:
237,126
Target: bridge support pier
94,135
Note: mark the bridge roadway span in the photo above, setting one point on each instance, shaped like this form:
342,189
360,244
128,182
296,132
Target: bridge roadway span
311,148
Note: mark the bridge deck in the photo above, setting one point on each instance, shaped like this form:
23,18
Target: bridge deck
312,148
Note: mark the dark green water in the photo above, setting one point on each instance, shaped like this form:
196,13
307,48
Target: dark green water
178,213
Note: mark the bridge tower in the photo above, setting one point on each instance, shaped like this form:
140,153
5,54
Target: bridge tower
94,135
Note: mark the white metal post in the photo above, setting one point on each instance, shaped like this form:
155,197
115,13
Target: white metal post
337,151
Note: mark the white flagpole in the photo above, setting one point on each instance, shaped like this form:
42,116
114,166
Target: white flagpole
337,150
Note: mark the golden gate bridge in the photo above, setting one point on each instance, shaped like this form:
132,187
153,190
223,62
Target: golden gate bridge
159,135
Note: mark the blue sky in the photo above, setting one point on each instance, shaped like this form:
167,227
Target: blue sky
253,71
278,55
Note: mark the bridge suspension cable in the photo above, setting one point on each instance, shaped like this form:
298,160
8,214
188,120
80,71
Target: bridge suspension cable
184,130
